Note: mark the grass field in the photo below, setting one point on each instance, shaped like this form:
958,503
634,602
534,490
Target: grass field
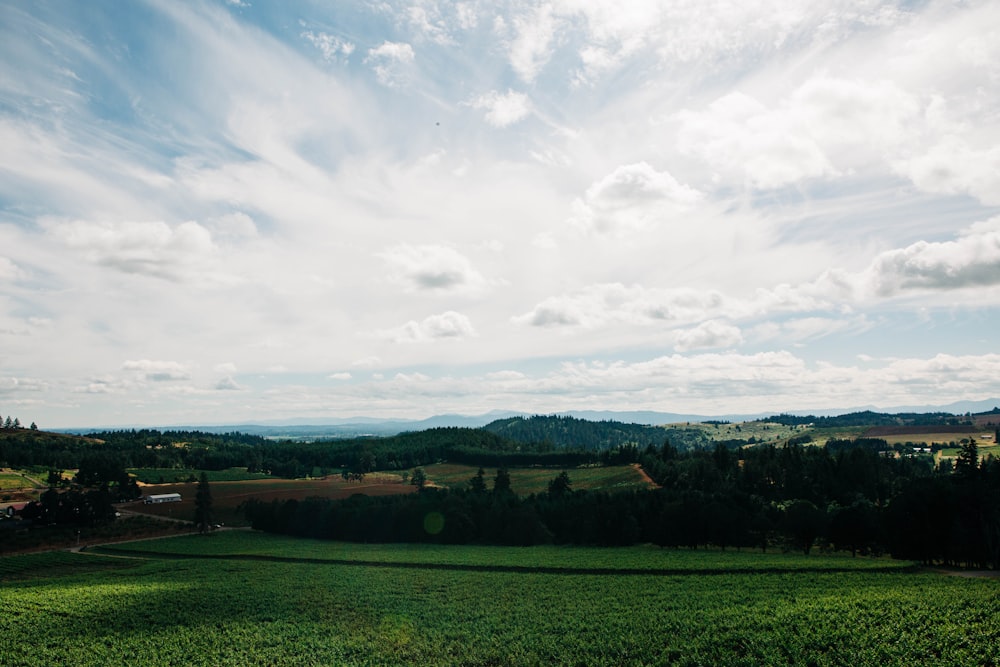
525,481
15,480
227,496
764,432
335,604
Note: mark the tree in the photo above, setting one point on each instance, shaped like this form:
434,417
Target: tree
501,483
34,426
477,483
418,478
967,461
803,523
203,505
560,485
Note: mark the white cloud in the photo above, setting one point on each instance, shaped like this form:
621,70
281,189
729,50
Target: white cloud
332,47
432,268
973,260
10,271
824,127
710,334
233,227
340,376
531,47
150,248
953,167
15,385
227,384
390,61
158,371
448,325
632,197
614,303
503,109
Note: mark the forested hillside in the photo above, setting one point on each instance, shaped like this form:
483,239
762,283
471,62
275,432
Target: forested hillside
562,432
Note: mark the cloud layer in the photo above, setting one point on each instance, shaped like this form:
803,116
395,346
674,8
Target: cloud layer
218,211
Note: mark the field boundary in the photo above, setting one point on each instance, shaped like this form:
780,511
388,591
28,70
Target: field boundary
512,569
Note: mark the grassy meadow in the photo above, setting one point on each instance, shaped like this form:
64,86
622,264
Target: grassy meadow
240,598
227,496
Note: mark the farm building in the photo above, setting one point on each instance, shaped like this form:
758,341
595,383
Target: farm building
162,498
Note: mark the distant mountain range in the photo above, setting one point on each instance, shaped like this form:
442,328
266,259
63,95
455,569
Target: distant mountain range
308,428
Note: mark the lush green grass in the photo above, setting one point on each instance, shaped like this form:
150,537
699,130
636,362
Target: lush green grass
765,432
15,480
639,558
227,611
525,481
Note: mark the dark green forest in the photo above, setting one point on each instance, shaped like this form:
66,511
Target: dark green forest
793,497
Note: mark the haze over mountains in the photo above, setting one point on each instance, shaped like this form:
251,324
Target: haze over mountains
357,426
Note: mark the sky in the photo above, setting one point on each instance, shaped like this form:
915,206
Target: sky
224,211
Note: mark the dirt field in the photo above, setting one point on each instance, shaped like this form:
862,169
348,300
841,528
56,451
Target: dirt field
227,496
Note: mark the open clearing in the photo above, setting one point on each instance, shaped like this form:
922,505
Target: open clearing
240,598
228,496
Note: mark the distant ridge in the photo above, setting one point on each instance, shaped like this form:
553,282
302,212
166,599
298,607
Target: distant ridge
350,427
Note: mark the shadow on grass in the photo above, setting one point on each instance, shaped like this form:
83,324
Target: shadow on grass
514,569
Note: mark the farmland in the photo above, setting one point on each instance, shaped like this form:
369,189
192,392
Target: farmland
228,495
239,598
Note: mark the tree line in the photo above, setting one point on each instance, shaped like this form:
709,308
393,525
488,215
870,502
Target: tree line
791,496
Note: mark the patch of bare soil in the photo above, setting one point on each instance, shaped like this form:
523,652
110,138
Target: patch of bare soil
645,476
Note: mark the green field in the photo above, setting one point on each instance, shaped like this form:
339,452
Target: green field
15,480
764,432
239,598
525,481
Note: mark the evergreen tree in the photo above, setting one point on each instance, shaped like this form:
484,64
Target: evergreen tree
560,485
501,483
477,483
203,505
967,462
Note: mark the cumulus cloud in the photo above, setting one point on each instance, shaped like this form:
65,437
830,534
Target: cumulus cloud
710,334
390,61
953,167
340,376
332,47
227,384
531,47
432,268
503,109
973,260
970,261
447,325
823,127
149,248
632,197
158,371
614,303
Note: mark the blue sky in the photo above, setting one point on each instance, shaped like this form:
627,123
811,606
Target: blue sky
218,211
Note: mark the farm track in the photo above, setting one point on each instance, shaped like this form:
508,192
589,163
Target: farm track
510,569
